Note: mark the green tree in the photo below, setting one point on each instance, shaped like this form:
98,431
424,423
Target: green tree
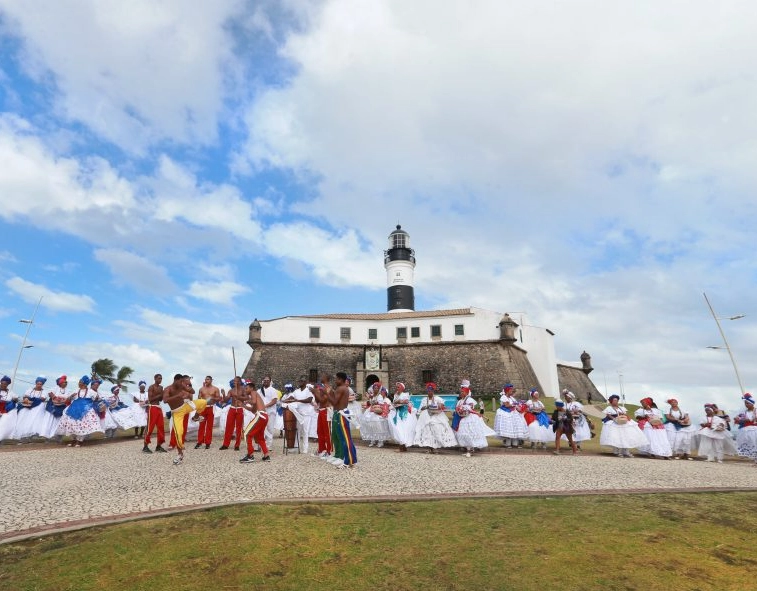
105,369
122,377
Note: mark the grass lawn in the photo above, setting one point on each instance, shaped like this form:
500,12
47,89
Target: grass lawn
645,542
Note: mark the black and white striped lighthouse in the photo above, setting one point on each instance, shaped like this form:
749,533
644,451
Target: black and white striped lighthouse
399,262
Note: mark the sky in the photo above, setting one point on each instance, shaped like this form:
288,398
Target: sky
170,170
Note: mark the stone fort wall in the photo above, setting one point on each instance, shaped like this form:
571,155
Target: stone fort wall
487,364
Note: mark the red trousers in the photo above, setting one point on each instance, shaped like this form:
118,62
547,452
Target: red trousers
205,433
172,443
234,423
324,431
255,429
155,419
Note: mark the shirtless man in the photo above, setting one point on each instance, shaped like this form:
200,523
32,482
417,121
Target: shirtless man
256,428
321,392
211,394
155,415
235,418
344,453
178,396
187,380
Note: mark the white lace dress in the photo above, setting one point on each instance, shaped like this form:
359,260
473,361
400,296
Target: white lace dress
657,438
433,428
508,422
402,419
471,431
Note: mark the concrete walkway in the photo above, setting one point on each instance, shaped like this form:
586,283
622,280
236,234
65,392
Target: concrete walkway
49,489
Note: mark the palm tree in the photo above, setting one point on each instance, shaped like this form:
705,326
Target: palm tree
105,369
122,377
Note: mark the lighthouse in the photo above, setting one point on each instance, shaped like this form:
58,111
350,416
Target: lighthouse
399,262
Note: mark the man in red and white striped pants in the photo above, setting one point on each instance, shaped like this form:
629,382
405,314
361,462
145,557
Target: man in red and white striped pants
235,418
155,418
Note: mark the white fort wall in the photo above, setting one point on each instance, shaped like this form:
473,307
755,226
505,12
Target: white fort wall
478,325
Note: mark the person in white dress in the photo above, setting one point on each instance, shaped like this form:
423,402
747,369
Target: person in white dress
470,429
271,397
746,436
402,418
714,438
57,398
433,430
374,424
354,406
300,402
537,419
581,425
679,430
139,409
8,414
619,431
80,419
649,418
31,412
117,414
509,424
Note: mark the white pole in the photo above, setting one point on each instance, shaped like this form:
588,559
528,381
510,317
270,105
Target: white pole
725,341
23,343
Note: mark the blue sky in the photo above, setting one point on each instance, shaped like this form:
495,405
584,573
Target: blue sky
171,170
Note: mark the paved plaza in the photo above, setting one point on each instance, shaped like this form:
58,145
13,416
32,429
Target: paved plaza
49,488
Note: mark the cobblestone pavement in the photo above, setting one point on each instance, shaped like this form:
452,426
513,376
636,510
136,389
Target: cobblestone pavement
48,488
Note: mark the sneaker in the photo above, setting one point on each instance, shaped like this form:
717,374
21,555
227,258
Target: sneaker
556,452
178,460
161,449
198,446
371,444
145,450
466,454
223,447
248,459
266,459
236,448
380,444
719,461
207,446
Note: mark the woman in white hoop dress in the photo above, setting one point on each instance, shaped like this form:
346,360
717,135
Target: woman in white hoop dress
402,418
537,419
433,430
618,430
714,437
470,430
374,424
679,430
80,419
650,422
31,412
746,436
509,424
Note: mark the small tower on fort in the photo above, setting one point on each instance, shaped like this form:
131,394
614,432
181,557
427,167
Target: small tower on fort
399,262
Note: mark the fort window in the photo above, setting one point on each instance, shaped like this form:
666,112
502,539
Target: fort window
372,334
401,332
436,330
415,332
315,332
345,333
459,330
428,375
313,376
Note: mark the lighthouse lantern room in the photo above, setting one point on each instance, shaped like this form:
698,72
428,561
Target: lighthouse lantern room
399,262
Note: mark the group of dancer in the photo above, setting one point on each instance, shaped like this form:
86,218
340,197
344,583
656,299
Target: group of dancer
328,413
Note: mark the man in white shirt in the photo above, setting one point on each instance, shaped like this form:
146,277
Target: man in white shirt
300,402
270,397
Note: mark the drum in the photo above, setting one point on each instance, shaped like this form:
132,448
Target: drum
290,427
621,420
655,421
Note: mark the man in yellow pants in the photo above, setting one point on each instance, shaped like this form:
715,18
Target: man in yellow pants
179,397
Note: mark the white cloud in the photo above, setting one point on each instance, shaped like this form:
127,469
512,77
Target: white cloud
217,292
136,73
131,355
130,269
59,301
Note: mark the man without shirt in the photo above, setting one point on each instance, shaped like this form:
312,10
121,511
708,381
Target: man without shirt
155,415
211,394
256,428
172,442
321,392
235,416
178,396
344,453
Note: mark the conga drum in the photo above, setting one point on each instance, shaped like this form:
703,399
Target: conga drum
290,427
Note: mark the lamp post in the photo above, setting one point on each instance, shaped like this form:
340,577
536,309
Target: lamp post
725,341
26,334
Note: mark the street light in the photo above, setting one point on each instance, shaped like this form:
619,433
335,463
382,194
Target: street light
725,341
26,334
